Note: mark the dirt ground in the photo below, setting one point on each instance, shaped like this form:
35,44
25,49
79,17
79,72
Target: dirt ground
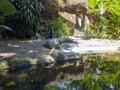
21,48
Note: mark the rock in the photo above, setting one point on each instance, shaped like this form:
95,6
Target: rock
51,6
67,40
68,47
50,43
67,9
14,63
71,6
69,18
46,61
69,56
55,54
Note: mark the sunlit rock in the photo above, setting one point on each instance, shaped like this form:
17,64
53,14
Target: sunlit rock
69,18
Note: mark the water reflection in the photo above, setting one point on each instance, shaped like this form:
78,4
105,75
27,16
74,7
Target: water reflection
96,72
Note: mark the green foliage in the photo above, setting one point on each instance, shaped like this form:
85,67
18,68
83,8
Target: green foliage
105,19
6,8
27,17
56,27
113,18
93,3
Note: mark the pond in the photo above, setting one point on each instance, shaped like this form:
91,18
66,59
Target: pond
92,72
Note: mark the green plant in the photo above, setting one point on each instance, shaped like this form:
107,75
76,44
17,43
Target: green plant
6,8
56,27
113,17
105,18
27,17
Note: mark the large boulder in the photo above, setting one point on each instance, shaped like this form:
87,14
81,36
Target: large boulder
54,6
51,6
71,6
69,18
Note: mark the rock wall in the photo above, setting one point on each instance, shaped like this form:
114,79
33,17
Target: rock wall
73,11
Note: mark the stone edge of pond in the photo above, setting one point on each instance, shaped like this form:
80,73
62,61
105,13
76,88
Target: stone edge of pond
15,62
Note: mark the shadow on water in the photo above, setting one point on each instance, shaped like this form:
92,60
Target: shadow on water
96,72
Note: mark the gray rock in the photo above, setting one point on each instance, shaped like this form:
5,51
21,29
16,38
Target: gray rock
46,61
67,40
70,56
50,43
68,46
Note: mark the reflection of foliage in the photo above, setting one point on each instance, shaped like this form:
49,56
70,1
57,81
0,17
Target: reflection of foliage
108,79
55,87
96,82
76,83
92,57
57,27
27,17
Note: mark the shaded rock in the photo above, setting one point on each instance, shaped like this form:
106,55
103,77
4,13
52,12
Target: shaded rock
15,63
46,61
51,6
55,54
50,43
69,56
67,40
72,6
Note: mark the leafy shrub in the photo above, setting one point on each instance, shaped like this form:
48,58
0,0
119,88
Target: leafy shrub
6,8
27,17
113,18
107,21
56,27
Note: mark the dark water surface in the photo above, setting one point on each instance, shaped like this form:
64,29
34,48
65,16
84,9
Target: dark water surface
93,72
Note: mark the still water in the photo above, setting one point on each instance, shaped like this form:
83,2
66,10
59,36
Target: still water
92,72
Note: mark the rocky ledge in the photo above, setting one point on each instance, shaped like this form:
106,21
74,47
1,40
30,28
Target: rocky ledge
46,52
